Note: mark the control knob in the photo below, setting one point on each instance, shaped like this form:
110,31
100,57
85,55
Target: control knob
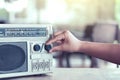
36,47
48,48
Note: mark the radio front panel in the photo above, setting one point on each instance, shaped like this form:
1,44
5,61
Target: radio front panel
23,51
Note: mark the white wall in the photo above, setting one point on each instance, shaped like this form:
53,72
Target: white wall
76,13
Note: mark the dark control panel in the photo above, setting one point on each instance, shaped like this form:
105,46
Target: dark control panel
23,32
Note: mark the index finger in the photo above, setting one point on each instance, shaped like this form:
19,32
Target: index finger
57,33
56,38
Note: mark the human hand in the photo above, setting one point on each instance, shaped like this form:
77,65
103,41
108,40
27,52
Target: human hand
66,42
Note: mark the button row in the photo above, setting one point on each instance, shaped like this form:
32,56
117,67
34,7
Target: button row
37,65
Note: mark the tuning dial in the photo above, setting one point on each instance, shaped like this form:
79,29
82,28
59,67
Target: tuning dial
36,47
48,47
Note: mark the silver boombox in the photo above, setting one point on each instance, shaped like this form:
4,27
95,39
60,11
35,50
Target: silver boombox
23,51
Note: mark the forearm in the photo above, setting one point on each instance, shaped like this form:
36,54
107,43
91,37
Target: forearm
106,51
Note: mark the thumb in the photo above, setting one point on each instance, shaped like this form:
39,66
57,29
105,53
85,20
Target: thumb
56,48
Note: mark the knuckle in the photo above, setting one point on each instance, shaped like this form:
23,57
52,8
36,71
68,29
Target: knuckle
66,31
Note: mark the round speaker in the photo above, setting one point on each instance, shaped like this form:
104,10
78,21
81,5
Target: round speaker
11,57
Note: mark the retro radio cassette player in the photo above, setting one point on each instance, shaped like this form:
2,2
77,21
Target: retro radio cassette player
23,51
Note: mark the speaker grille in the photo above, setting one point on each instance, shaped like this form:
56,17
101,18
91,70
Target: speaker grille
11,57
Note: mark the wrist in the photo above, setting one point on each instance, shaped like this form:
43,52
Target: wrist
81,46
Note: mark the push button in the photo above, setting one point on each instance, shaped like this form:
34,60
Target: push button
48,48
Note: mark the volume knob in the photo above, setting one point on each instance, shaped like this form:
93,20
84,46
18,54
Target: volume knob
36,47
48,48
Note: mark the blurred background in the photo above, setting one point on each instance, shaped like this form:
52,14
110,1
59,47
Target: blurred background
89,20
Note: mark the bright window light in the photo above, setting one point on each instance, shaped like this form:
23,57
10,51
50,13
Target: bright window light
16,6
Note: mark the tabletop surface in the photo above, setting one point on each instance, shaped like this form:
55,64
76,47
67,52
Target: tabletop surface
76,74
